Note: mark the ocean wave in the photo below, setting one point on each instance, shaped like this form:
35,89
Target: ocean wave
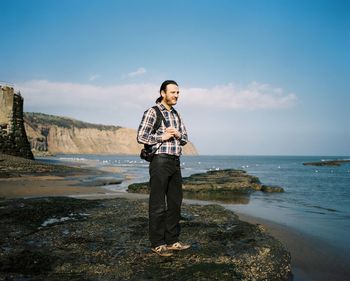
74,159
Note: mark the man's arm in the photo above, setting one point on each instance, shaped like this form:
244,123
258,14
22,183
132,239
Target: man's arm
181,134
145,134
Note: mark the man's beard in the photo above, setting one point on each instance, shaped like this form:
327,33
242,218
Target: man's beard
171,101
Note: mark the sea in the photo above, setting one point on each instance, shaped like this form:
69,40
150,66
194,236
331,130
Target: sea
316,200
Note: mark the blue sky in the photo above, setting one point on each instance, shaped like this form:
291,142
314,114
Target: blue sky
256,77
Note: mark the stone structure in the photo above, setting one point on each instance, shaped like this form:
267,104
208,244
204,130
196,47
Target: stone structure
13,137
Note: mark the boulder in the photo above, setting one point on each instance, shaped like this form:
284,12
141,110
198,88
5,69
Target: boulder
102,180
271,188
224,185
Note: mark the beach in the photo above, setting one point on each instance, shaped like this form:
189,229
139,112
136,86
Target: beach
41,186
23,178
311,258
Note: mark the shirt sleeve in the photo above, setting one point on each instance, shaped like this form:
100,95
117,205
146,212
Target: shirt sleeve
145,134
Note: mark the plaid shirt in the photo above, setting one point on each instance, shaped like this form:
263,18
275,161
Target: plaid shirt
145,135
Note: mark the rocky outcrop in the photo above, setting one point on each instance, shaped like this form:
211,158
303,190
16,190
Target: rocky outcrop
327,163
13,138
223,185
70,239
55,134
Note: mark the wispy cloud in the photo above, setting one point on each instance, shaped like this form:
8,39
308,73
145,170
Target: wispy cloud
60,94
94,77
138,72
231,96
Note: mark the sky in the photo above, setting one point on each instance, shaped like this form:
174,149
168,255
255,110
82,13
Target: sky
256,77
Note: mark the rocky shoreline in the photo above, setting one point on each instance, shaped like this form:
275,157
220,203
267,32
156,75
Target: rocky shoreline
60,238
12,166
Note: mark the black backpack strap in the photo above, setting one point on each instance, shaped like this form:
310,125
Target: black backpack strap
160,118
178,116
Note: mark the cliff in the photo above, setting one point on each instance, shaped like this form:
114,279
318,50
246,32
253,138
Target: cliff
55,134
13,138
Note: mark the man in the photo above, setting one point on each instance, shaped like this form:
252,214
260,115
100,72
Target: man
165,174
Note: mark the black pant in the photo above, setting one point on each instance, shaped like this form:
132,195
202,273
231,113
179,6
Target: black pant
165,200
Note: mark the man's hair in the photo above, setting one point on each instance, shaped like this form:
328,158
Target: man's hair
163,88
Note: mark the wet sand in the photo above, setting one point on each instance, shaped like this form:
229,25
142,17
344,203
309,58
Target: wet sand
40,186
20,177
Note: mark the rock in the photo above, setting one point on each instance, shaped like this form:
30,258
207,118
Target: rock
141,187
327,163
271,188
224,185
12,166
13,138
103,180
220,181
111,243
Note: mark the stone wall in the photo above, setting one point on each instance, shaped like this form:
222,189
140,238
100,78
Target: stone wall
13,137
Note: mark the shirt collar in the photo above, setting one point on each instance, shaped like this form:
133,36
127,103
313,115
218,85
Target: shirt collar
163,108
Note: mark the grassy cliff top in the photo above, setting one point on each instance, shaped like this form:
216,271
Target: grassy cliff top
35,119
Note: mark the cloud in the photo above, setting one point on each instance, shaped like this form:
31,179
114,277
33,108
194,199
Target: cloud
94,77
230,96
60,94
103,104
139,72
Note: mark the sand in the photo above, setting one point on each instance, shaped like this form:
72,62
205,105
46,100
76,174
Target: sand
39,186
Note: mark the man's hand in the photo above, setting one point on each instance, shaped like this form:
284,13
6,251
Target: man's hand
169,133
174,132
166,136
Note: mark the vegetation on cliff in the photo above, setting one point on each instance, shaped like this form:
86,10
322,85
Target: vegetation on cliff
36,119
